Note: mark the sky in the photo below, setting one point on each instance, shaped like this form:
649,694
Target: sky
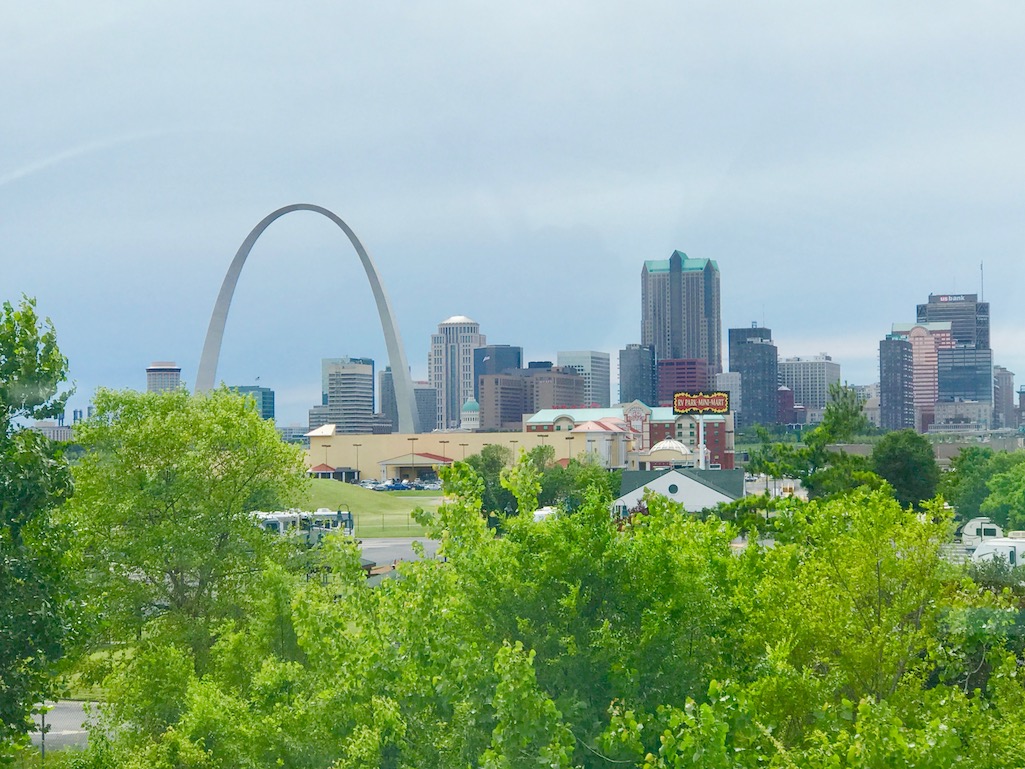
513,162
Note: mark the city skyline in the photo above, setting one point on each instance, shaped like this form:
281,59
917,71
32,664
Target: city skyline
839,164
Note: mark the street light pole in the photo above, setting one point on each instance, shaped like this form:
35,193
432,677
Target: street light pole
356,446
412,466
464,445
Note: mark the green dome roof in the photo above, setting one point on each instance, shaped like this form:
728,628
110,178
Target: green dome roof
471,405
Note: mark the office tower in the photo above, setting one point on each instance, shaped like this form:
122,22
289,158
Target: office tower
926,339
264,397
754,357
386,397
594,367
348,398
162,376
680,309
450,367
810,379
506,397
423,394
494,359
786,413
964,372
681,375
968,317
426,398
554,388
729,382
637,374
896,383
76,416
1004,413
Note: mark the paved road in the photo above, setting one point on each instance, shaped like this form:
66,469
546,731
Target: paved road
386,550
65,725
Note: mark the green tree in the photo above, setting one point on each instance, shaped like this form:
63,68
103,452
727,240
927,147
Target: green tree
523,481
907,462
36,618
165,492
964,487
967,486
489,464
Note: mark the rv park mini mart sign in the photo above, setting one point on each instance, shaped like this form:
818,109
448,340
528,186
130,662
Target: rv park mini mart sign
701,403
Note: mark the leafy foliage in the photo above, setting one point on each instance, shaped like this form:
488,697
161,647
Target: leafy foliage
581,641
37,617
162,509
906,461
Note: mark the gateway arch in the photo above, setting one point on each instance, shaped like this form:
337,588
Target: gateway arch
207,373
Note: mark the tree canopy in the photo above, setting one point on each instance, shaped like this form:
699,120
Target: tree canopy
162,509
584,641
907,462
37,618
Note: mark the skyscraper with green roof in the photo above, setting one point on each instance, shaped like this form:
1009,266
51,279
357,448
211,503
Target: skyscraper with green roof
680,314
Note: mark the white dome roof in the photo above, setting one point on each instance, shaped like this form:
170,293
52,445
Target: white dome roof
670,445
458,319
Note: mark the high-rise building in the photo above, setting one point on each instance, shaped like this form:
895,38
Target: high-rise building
729,382
1005,415
964,372
968,317
926,339
810,379
754,357
494,359
638,376
506,397
348,397
423,393
264,397
681,375
896,383
680,314
594,367
162,376
450,367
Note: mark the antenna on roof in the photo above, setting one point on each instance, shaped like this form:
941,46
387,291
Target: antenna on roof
982,284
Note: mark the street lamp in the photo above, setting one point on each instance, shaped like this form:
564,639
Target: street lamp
464,445
412,466
568,438
356,446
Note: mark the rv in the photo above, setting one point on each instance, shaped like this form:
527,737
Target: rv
978,530
1009,549
310,526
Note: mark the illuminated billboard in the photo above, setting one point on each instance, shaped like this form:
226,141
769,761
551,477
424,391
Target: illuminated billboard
701,403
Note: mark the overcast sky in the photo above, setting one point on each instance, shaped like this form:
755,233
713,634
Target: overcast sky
514,162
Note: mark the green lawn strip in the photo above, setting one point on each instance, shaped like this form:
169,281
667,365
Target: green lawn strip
376,513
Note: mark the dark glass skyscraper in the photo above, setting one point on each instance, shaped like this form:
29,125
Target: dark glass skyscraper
494,359
896,383
968,317
754,357
637,374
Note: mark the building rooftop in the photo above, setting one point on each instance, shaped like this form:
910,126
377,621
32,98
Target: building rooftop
662,265
457,319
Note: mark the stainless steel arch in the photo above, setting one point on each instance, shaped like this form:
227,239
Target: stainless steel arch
396,355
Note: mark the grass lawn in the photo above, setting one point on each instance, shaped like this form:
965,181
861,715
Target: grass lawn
376,513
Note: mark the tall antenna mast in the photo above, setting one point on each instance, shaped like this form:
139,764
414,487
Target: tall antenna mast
982,284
